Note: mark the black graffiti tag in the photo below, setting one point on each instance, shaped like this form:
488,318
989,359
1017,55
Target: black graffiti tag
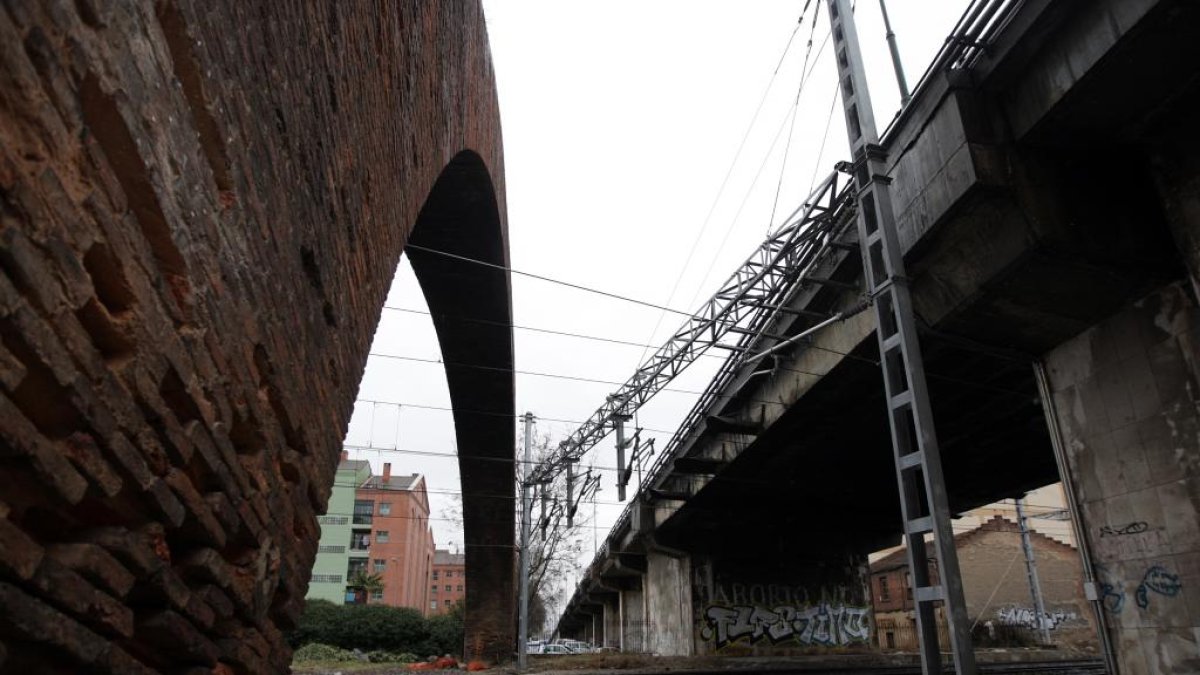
1136,527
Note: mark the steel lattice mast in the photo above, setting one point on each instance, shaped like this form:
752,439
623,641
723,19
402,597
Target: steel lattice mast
923,499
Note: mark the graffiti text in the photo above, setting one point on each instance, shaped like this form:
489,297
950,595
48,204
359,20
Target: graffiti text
823,624
1027,617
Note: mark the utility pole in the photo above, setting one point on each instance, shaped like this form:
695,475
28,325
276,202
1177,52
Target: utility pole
924,503
896,65
526,512
1035,587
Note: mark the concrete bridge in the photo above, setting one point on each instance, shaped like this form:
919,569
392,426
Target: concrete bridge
1046,180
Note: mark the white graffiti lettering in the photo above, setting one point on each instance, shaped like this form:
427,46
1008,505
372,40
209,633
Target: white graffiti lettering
1027,617
824,624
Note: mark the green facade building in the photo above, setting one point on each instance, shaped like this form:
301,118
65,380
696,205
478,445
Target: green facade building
333,555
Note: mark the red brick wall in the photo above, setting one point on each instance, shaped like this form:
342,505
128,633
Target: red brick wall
202,204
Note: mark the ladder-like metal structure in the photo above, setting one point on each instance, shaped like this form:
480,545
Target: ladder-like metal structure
745,304
923,499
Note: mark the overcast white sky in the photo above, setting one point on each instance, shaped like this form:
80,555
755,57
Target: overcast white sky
621,120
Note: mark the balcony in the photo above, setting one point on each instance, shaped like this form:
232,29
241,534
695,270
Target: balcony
360,541
363,512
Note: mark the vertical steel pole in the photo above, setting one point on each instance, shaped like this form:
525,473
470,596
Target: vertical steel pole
619,422
1068,485
526,513
924,503
1035,587
896,65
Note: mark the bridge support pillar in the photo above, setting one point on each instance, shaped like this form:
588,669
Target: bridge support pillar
668,590
1127,397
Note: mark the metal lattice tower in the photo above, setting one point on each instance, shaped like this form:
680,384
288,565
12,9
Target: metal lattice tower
923,499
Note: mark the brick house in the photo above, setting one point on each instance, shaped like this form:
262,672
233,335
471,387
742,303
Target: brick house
447,581
995,587
391,530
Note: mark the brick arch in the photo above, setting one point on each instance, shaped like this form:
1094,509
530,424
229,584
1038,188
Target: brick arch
471,310
202,204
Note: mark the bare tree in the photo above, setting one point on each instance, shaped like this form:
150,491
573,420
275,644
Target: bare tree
555,544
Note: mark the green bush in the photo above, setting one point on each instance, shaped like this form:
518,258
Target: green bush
318,652
378,628
379,656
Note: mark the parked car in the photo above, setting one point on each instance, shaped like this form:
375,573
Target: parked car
556,649
534,647
578,646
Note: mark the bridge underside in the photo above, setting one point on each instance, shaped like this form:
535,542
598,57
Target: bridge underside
1048,199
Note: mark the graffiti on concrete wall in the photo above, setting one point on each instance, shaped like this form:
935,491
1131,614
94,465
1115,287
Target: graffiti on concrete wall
823,624
1028,618
1136,527
1132,540
1112,597
1157,580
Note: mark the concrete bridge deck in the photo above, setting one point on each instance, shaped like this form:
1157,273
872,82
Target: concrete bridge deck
1045,191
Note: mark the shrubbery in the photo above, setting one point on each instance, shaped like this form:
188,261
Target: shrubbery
380,629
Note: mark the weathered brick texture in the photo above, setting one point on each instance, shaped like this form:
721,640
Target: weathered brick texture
202,204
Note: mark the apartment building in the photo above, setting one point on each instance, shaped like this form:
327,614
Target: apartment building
447,581
329,574
378,524
391,530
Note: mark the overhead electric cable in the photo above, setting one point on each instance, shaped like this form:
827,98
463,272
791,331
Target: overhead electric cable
753,183
728,173
578,287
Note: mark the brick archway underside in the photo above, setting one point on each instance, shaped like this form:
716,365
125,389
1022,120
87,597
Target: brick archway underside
202,204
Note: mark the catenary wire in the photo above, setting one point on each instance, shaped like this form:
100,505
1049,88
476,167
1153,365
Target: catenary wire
568,284
420,406
728,173
753,183
809,345
804,75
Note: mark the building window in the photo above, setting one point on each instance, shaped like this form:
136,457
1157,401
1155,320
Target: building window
356,566
331,549
449,573
363,510
360,541
433,604
385,508
891,639
381,537
377,595
435,573
460,588
327,578
380,564
883,589
447,588
433,589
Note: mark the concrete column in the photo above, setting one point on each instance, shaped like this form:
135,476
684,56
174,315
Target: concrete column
612,621
669,621
632,621
1127,393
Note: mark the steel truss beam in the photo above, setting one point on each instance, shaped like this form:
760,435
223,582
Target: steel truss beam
744,306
